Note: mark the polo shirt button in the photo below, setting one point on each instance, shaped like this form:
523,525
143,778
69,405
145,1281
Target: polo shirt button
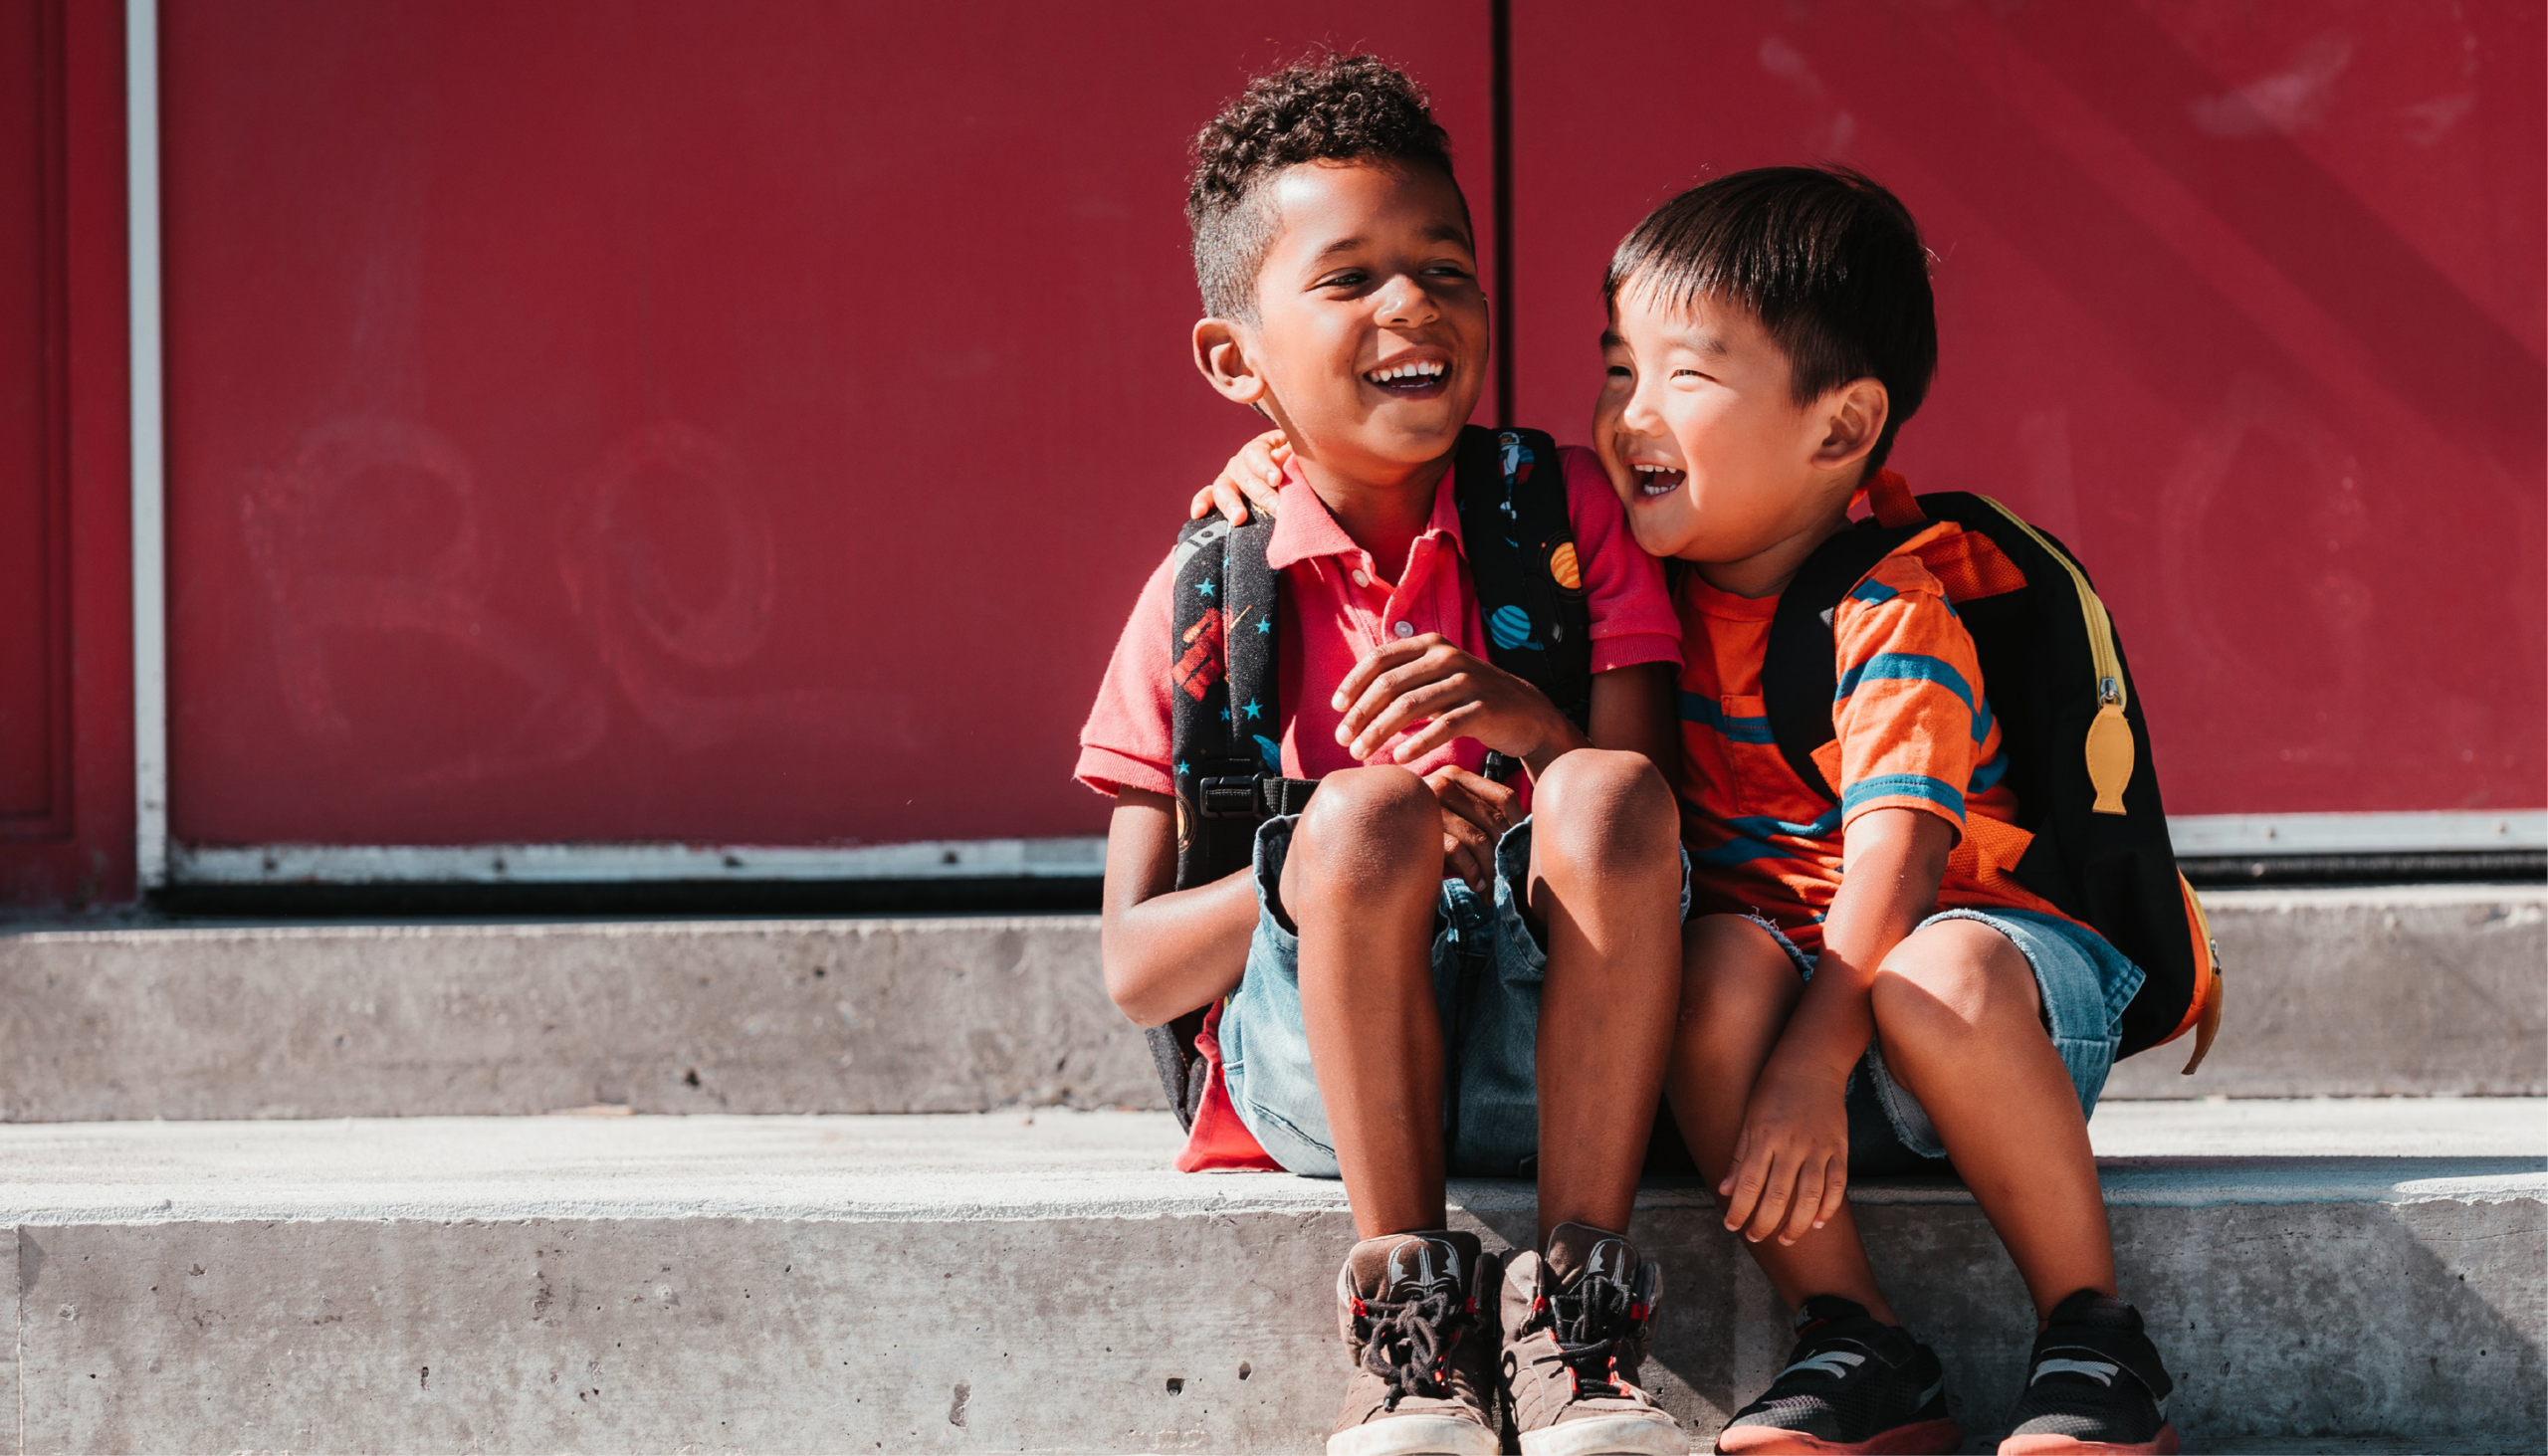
1407,629
1361,578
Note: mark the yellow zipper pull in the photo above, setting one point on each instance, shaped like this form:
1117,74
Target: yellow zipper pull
2110,752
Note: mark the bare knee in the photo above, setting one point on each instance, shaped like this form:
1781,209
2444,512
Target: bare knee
1953,979
1368,829
1734,974
1599,815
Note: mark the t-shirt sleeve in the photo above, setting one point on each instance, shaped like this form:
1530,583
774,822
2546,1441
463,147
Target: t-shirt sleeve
1130,737
1909,681
1632,617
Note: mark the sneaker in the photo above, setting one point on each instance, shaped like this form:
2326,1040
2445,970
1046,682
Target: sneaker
1852,1383
1423,1379
2093,1384
1576,1321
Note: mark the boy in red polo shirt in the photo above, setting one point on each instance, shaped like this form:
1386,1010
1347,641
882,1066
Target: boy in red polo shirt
1426,970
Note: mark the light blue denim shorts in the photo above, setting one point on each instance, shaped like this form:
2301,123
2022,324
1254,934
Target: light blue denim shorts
2084,983
1487,972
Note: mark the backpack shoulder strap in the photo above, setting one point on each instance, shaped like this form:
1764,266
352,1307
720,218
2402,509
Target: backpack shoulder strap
1799,674
1222,687
1520,545
1226,717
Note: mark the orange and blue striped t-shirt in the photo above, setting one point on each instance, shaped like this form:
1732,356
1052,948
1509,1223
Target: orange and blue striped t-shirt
1912,728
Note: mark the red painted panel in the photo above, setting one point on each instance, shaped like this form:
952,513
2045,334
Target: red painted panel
35,631
66,584
2245,301
678,421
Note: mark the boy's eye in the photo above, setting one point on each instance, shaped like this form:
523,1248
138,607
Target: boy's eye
1351,277
1618,371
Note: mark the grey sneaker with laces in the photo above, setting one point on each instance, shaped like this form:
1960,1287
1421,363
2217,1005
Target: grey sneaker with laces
1576,1322
1424,1383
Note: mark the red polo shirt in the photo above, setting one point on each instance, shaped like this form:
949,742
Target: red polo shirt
1337,607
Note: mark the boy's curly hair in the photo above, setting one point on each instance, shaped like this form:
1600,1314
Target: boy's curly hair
1331,109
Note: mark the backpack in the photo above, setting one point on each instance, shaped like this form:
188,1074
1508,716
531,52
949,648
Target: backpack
1228,764
2077,747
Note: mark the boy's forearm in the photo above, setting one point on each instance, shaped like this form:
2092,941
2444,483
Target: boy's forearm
1174,952
1889,887
1562,739
1631,711
1167,951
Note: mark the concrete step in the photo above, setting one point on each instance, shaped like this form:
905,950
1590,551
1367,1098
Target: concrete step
2409,989
2360,1277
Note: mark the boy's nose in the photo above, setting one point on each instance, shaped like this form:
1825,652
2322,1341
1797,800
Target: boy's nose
1402,301
1640,413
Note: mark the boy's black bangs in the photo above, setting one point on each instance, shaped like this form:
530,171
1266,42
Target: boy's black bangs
1831,265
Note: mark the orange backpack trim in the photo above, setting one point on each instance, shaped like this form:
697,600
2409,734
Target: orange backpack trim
2203,1013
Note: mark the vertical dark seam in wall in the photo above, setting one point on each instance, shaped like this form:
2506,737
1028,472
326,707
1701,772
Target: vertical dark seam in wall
1500,64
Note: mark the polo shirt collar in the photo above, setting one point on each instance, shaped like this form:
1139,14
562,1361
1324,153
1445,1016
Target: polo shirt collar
1303,528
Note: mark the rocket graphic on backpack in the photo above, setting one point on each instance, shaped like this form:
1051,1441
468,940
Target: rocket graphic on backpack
2078,748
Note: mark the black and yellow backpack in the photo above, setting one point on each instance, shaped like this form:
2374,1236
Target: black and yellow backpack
2078,750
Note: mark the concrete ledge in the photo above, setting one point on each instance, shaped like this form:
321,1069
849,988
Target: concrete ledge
2413,990
2357,992
1007,1282
955,1014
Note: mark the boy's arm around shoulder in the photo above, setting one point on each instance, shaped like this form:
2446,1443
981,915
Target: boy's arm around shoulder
1636,634
1166,951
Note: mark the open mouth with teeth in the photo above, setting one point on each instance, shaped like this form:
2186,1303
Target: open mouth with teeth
1416,380
1657,480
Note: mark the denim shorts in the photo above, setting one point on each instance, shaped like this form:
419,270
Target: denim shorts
1487,970
2084,983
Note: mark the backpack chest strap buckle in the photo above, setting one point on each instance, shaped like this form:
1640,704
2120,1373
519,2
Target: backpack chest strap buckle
1251,796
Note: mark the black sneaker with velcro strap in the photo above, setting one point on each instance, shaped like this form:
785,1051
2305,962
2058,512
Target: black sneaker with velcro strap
1853,1383
2093,1384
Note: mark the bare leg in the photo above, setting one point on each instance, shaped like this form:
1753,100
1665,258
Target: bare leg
1606,882
1738,989
1960,1023
1362,881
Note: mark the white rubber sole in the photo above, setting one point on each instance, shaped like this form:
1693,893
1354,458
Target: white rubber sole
1417,1435
1610,1435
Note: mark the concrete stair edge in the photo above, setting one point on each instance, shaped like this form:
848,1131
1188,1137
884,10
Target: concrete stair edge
2393,1299
2414,990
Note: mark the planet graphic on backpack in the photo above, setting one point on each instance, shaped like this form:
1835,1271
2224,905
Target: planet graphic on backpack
1563,566
1510,627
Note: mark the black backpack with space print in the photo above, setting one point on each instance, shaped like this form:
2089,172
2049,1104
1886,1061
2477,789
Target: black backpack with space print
1224,680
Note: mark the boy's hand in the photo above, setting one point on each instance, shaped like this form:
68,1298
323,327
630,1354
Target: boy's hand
1476,812
1419,678
1792,1162
1254,473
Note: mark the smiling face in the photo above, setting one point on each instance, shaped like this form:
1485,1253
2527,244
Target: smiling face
1369,342
1718,464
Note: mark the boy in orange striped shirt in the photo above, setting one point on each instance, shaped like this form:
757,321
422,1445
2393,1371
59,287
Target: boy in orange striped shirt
1867,988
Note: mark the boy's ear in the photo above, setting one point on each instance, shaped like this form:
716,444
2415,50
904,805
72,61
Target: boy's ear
1221,351
1854,417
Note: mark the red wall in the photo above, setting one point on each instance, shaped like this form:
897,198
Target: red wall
65,644
689,422
2241,300
682,421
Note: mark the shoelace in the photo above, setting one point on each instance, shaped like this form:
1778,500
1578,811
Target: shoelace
1588,1323
1407,1342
